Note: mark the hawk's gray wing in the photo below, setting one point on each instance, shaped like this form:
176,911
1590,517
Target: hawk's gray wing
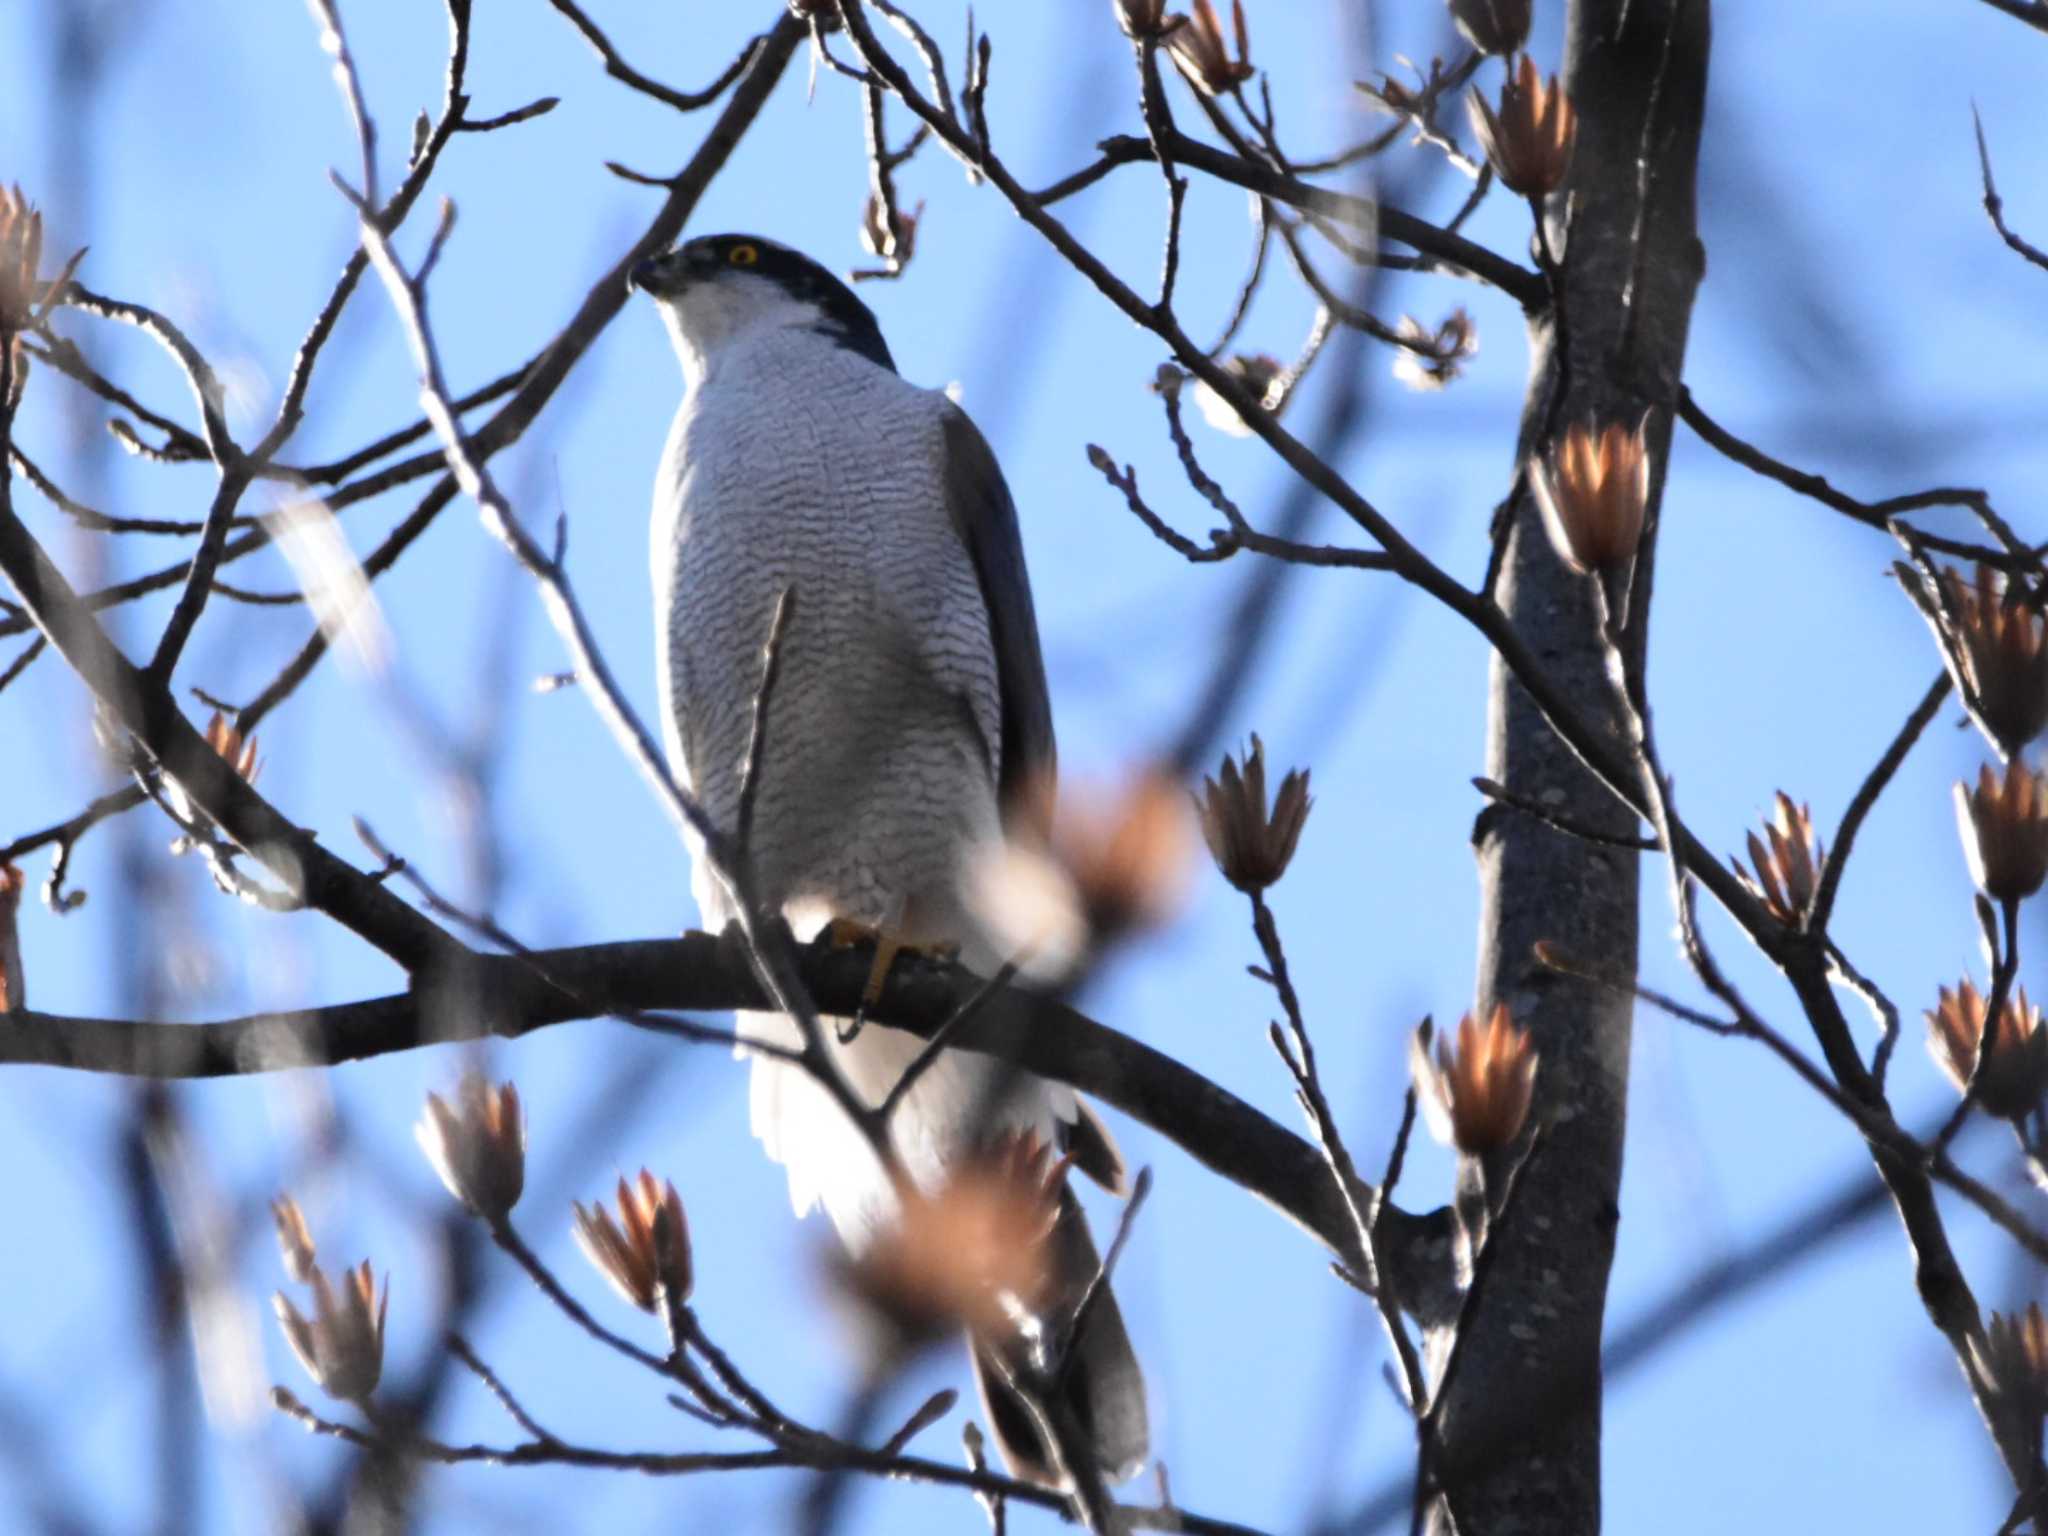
986,520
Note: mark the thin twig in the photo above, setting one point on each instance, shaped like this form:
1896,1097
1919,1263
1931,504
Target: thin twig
928,1054
1994,205
527,113
426,156
1944,1291
23,660
1500,794
1098,1283
1873,514
181,445
1414,1384
1222,544
1551,958
1865,799
620,70
928,1413
757,727
334,41
921,40
1886,1012
977,1461
1241,533
64,835
768,1418
341,469
514,1246
884,231
1240,310
235,471
387,554
1169,268
99,522
1340,309
1298,1052
459,1347
2005,965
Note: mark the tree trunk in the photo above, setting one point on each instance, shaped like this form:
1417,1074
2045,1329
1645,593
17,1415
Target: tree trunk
1521,1423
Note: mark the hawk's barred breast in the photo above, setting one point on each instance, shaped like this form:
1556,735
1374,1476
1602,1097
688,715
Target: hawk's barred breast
884,730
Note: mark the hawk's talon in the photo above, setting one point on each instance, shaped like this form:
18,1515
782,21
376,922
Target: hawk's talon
887,948
846,932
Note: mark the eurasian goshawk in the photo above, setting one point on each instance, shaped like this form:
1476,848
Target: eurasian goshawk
911,702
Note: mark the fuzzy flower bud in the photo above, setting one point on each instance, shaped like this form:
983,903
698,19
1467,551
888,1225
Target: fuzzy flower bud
1592,488
1081,865
239,754
1529,137
971,1252
1995,647
342,1346
21,254
2004,825
1477,1097
647,1251
479,1146
2015,1355
1251,847
1788,866
2015,1074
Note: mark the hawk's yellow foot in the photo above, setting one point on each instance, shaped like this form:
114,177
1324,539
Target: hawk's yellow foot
846,932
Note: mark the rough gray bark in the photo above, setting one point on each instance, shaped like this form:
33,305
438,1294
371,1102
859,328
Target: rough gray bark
1521,1422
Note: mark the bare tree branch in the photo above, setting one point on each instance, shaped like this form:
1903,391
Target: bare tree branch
507,997
1874,514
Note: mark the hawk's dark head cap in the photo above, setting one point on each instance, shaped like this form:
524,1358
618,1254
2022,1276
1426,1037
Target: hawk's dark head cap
732,260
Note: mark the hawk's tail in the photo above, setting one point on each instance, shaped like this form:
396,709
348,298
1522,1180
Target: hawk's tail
1102,1391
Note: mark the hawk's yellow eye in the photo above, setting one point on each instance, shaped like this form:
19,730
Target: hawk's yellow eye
743,255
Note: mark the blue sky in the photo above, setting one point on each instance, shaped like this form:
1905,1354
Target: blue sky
1858,317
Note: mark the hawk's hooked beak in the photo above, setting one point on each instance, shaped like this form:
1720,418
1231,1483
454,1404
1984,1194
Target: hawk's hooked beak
668,273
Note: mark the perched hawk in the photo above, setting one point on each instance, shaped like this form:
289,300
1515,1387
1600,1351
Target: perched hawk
911,701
